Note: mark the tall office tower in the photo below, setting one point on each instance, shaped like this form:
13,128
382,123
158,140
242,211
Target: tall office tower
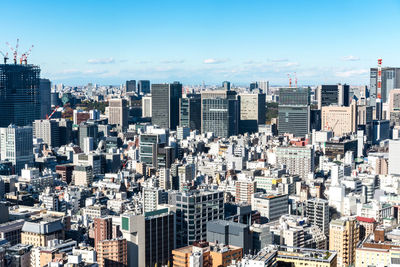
94,114
112,252
130,86
65,128
87,145
390,81
45,97
394,107
245,188
48,131
143,87
338,95
88,130
264,86
102,229
252,112
226,85
298,160
146,106
151,237
394,157
343,238
220,113
365,120
340,120
294,111
317,212
189,111
19,94
118,112
191,223
16,146
165,104
253,86
165,178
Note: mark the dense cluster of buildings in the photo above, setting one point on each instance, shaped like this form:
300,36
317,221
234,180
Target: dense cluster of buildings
170,175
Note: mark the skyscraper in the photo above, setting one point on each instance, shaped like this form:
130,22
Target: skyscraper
19,94
88,130
102,229
143,87
146,106
45,97
226,85
118,112
252,111
48,130
189,111
220,113
294,111
130,86
394,107
16,145
338,94
165,104
390,81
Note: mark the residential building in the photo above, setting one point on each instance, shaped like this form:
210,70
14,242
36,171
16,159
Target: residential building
343,238
112,253
317,211
298,160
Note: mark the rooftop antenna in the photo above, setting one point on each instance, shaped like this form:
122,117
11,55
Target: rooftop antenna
5,56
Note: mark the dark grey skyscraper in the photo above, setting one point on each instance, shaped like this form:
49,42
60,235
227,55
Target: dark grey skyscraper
390,81
220,112
226,85
143,87
294,111
253,86
189,111
88,130
165,104
19,94
45,97
333,95
131,86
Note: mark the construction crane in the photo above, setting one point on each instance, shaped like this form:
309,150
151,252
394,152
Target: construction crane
5,57
24,57
14,50
295,79
48,117
290,80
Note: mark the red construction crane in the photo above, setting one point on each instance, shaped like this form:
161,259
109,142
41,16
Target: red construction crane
24,57
295,79
14,50
48,117
290,80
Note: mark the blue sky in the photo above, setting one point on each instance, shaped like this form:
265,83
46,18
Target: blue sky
107,42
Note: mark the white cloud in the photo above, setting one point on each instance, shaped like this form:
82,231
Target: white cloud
292,64
179,61
215,61
279,60
351,73
351,58
101,60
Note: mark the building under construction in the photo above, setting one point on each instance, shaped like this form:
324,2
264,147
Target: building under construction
19,94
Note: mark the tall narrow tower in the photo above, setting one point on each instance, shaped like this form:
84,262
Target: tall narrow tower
379,92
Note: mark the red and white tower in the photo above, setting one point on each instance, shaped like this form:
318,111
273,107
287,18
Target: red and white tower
378,107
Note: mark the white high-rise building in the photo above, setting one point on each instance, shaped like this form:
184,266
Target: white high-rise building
165,180
146,106
87,144
317,211
118,112
394,157
16,145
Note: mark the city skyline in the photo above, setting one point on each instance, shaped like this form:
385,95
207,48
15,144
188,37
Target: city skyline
211,41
